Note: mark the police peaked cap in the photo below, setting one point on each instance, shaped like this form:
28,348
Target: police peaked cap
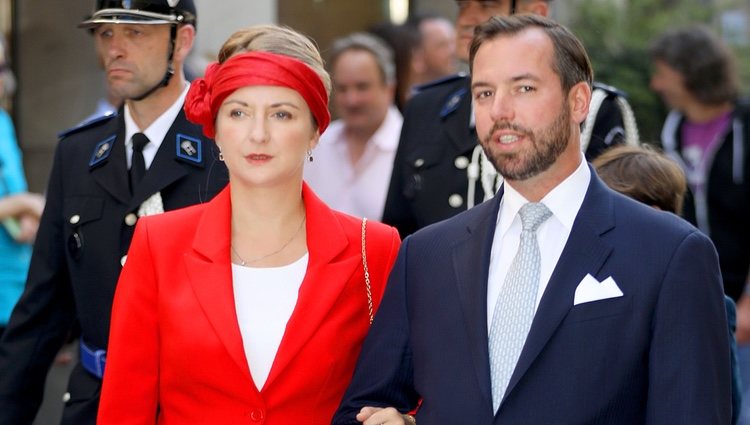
141,12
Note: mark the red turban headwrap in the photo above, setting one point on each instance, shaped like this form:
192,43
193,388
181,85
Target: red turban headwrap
254,69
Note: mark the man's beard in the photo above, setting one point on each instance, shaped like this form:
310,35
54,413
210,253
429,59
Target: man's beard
545,147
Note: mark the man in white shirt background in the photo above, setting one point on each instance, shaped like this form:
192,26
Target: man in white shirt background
352,164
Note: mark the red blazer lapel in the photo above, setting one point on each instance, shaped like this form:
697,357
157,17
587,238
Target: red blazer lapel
210,274
326,277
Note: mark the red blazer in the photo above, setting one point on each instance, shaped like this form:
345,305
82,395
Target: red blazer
175,350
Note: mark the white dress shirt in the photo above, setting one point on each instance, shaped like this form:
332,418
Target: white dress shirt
564,201
264,299
358,189
156,132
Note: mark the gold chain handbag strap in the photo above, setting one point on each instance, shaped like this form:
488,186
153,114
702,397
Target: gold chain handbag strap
367,271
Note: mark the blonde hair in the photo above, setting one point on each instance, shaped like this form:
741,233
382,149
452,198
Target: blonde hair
280,40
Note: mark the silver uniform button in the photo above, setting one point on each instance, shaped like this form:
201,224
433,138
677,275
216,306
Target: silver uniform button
66,397
74,219
131,219
123,260
461,162
455,200
419,162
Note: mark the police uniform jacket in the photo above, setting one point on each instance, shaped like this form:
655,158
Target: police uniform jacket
81,245
429,181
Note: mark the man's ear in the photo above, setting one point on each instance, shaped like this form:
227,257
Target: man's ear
417,61
538,7
579,99
183,42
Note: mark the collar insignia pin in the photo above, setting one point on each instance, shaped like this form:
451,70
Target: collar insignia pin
102,151
189,149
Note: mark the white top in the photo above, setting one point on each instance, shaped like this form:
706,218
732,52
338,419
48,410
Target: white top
264,299
156,132
564,201
359,190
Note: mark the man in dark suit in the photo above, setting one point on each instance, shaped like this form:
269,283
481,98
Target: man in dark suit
438,171
99,186
603,311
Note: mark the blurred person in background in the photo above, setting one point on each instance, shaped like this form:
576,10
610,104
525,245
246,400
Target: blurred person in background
707,132
354,159
439,170
403,41
435,55
106,175
19,211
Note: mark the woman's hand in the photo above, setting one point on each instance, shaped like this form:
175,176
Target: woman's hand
26,208
384,416
20,204
29,224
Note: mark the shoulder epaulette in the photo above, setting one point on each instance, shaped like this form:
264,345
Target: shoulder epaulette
611,90
94,122
440,82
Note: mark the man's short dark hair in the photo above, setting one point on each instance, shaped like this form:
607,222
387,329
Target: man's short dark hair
571,62
704,61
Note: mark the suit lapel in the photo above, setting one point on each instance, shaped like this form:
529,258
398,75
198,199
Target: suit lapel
326,277
210,273
112,173
584,253
471,260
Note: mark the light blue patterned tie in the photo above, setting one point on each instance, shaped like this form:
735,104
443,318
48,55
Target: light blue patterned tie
514,309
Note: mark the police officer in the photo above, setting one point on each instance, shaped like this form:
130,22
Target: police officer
106,174
440,169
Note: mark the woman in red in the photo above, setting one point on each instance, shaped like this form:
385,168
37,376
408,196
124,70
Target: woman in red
250,308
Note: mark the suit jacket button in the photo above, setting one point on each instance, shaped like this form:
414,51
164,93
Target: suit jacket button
418,163
455,200
123,260
461,162
66,397
131,219
74,219
256,415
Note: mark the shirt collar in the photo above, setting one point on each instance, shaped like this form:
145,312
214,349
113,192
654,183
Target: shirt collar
564,200
157,131
387,135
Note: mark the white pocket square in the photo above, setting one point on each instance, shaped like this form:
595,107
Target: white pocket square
591,289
